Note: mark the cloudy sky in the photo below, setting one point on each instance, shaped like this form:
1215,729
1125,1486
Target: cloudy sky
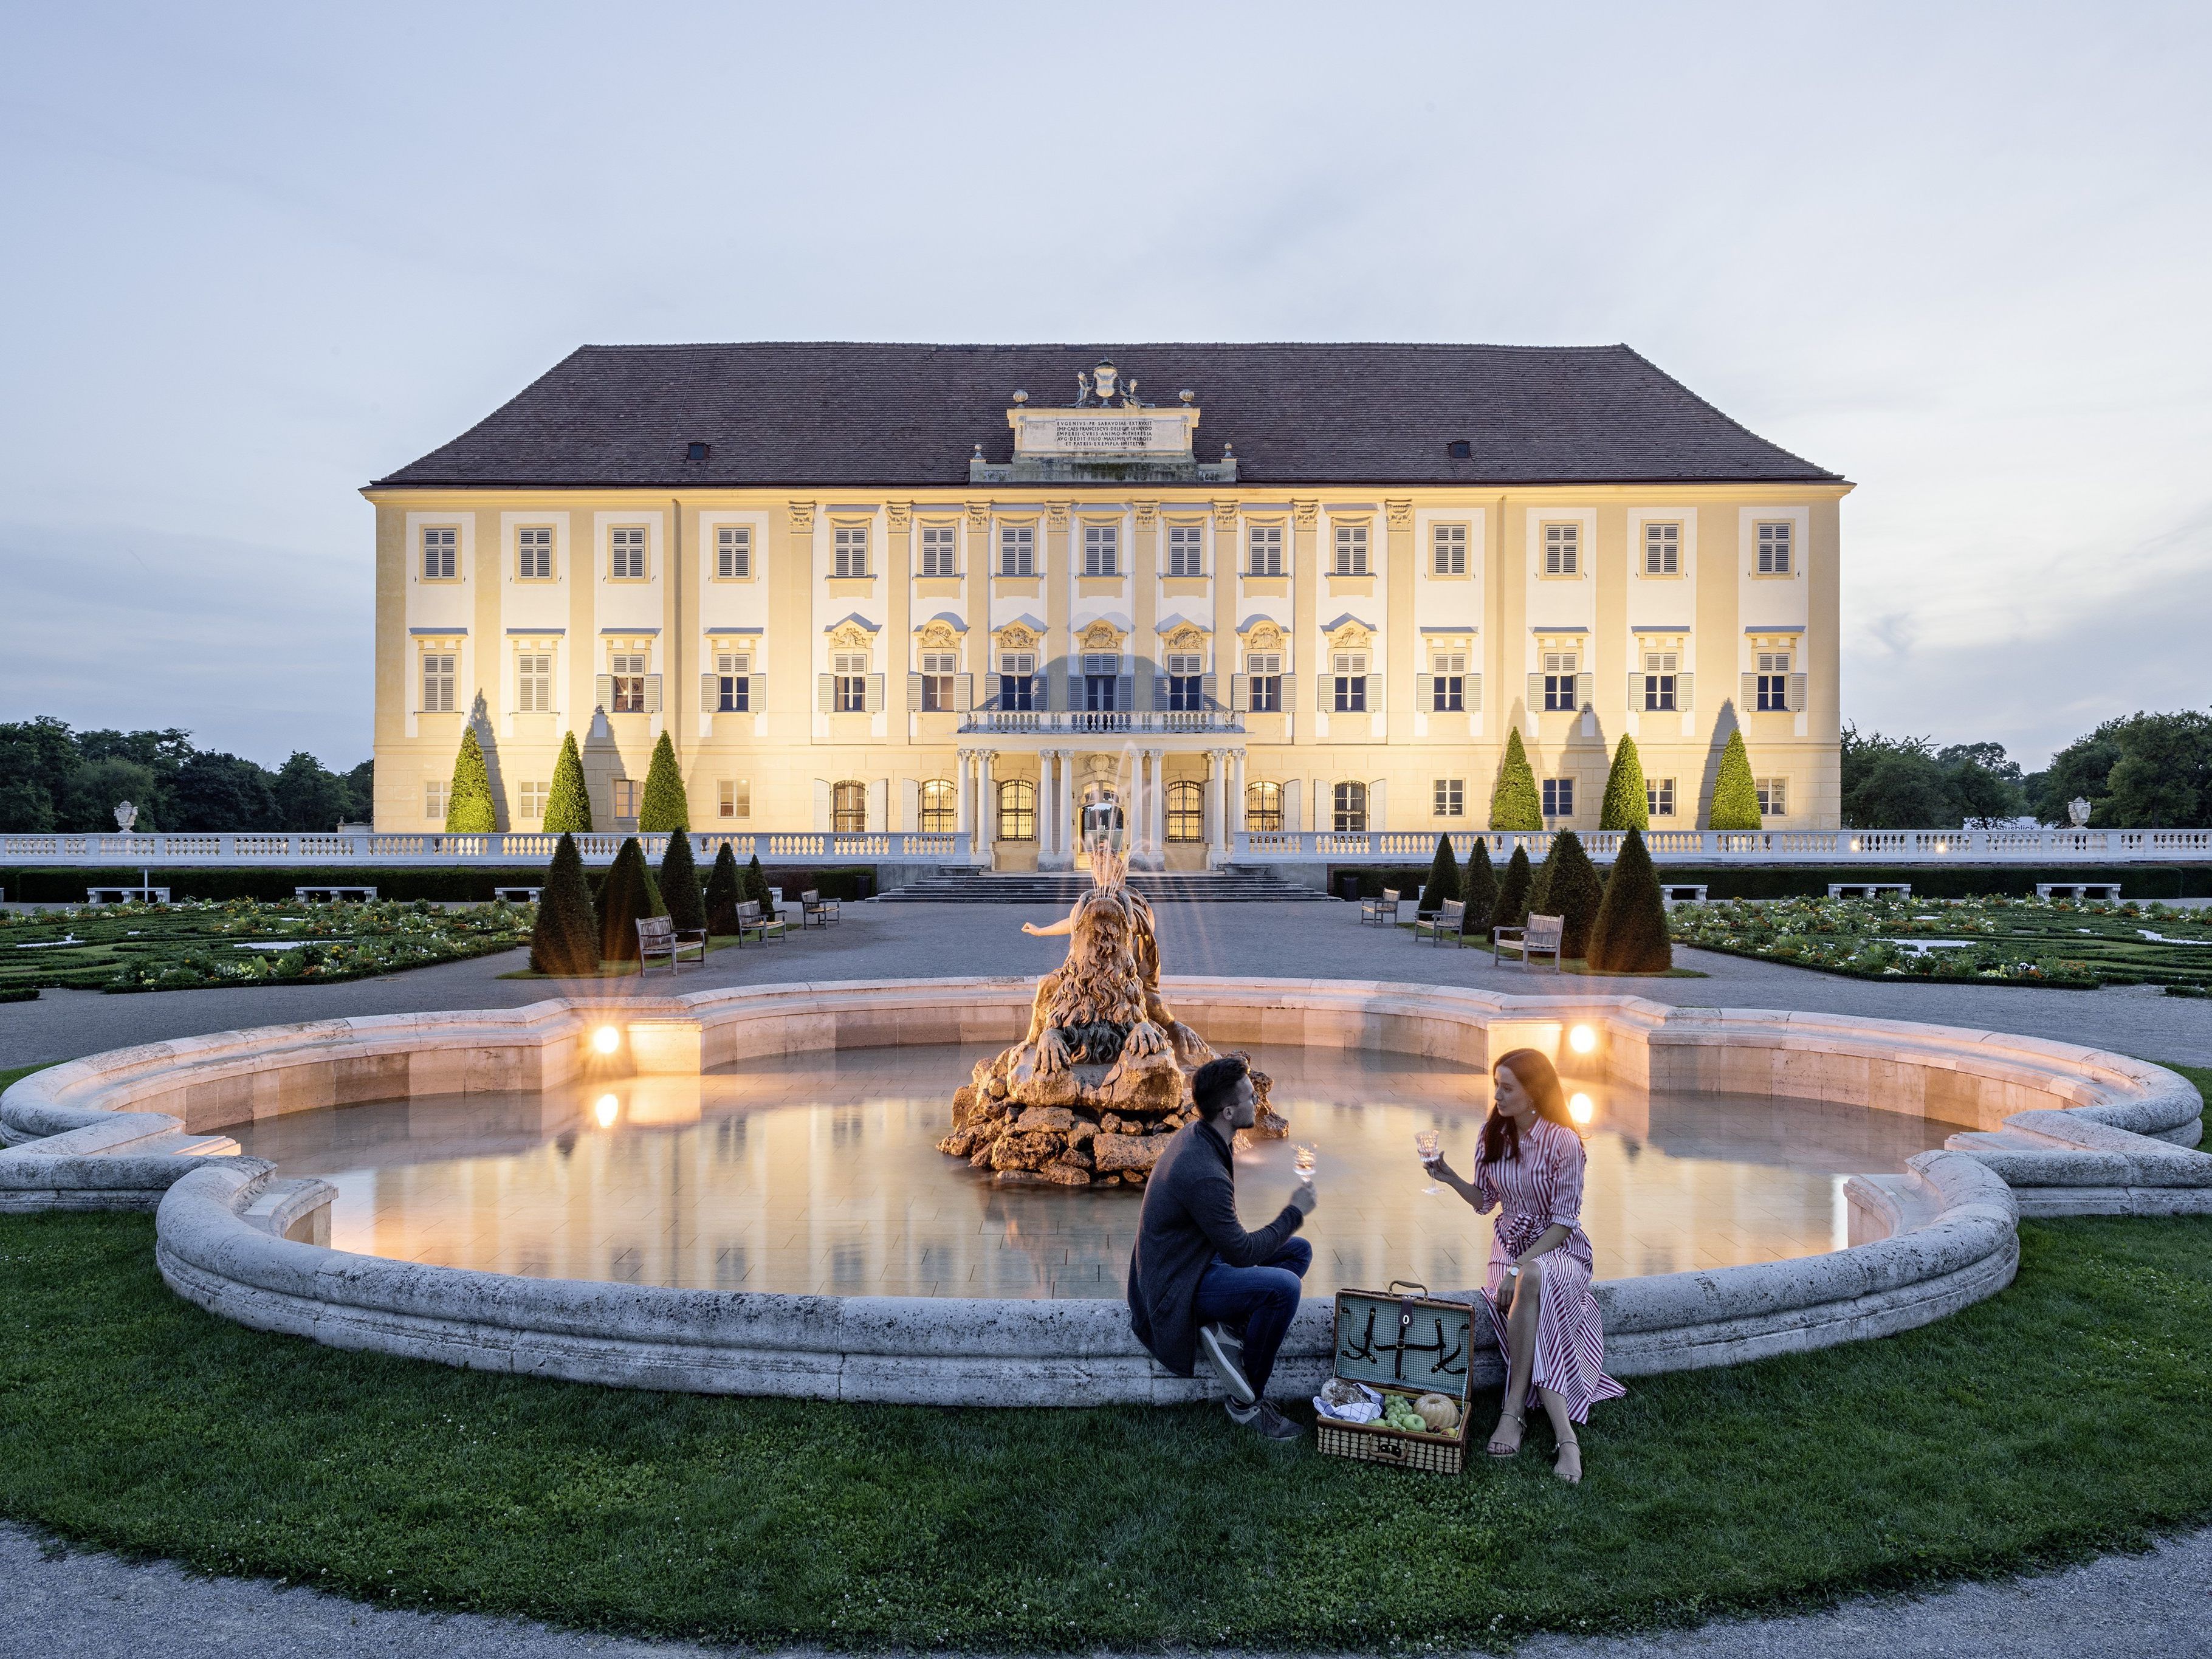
257,257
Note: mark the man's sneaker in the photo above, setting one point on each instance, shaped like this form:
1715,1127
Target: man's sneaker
1227,1355
1264,1420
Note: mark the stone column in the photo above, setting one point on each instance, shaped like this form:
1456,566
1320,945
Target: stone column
1217,802
987,809
1233,820
1155,809
1051,822
966,821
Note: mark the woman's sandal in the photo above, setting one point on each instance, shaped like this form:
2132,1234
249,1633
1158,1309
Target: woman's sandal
1513,1451
1560,1464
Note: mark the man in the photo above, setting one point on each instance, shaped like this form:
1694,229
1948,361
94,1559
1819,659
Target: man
1197,1276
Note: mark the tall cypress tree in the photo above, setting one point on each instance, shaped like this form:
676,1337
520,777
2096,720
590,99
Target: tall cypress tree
1631,934
1511,909
1478,886
664,808
1539,903
469,808
679,883
1627,805
1575,893
566,940
1514,802
1444,879
757,890
568,804
1735,797
725,891
626,898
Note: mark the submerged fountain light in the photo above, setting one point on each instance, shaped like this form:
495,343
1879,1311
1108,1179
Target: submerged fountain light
1579,1108
1582,1039
606,1039
608,1108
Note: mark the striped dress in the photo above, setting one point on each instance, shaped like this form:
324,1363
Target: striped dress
1541,1186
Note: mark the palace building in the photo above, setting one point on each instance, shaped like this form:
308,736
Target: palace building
1236,589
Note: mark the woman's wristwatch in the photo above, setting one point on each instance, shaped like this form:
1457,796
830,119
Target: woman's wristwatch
1513,1272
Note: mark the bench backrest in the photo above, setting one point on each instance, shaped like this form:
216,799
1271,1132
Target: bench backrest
1456,915
1389,896
813,896
655,930
750,910
1544,932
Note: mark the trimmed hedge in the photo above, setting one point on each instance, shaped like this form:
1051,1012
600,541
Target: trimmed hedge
35,884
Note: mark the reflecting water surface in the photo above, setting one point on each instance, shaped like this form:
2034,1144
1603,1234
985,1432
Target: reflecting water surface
818,1173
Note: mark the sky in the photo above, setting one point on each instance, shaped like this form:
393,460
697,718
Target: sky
259,255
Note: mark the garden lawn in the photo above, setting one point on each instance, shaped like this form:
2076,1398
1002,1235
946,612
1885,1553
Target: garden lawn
2067,1415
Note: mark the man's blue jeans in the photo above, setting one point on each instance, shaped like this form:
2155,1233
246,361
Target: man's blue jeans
1258,1300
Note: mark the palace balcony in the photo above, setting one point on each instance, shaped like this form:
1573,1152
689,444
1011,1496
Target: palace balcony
1100,722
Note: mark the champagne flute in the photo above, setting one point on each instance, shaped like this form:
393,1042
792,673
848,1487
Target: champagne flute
1303,1160
1430,1144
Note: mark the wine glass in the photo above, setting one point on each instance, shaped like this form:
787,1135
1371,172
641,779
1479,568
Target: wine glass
1430,1144
1303,1160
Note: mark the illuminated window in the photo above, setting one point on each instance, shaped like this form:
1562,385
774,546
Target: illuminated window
848,807
733,798
940,807
1186,815
1351,809
938,668
1773,797
1263,807
1018,809
630,796
627,669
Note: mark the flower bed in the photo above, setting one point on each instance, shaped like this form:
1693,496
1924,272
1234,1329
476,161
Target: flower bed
2069,944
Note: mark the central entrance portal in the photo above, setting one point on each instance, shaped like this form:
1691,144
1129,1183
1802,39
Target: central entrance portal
1095,795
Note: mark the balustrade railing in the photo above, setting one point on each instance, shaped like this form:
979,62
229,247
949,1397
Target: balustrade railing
1075,722
1869,846
437,847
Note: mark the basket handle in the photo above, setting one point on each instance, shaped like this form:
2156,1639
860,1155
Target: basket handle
1409,1284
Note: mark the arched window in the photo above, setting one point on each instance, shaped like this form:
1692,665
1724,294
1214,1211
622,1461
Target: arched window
1351,809
940,807
1185,811
1018,809
1263,807
848,807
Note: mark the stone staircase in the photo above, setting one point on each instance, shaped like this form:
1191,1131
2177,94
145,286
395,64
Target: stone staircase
1063,888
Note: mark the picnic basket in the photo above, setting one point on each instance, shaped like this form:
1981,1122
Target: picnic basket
1397,1342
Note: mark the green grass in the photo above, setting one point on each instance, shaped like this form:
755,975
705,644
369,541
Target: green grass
2068,1415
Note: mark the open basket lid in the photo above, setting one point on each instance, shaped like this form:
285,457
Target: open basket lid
1405,1339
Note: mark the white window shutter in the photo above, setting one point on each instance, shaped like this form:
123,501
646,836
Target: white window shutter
821,802
710,693
652,693
1125,691
757,699
1288,699
1325,692
603,688
913,692
1748,697
1424,694
1683,699
1240,692
909,805
1209,692
1535,693
1290,791
1474,694
1378,803
825,692
1797,694
872,696
1635,693
1074,682
1585,690
963,692
1374,694
880,805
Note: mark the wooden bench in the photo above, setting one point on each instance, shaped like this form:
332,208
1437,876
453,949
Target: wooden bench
1381,912
657,936
750,921
1542,934
821,912
1451,924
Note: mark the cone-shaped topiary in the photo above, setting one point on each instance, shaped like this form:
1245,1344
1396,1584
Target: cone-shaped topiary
725,891
1511,909
1443,878
1478,886
664,808
1575,892
1631,935
1735,797
1627,807
568,804
1538,901
566,940
469,809
679,883
1514,802
626,898
757,890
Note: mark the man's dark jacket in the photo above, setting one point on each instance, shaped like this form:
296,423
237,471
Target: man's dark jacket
1189,1217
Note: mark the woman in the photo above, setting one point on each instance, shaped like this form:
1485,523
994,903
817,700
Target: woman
1547,1319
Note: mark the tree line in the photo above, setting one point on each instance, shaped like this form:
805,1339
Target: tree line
2140,771
53,777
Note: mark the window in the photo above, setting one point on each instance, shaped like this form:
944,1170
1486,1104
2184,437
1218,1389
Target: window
627,668
1773,797
1186,550
1659,797
1448,684
1774,550
1018,550
1100,546
1451,550
1659,681
1265,670
1018,680
849,544
441,549
1185,684
1350,804
630,796
938,668
734,552
1267,547
438,682
1099,673
1562,549
733,798
532,801
1558,797
626,555
433,799
533,555
940,807
1185,811
1451,798
1662,550
734,685
850,692
940,550
1351,550
533,683
1773,678
1263,807
1559,668
1351,686
1018,809
848,807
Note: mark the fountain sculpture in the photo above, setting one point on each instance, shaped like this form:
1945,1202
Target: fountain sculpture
1089,1096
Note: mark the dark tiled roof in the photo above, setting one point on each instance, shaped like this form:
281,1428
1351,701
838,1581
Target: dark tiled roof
836,413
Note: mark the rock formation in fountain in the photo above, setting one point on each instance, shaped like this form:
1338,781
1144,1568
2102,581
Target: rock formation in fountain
1092,1094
